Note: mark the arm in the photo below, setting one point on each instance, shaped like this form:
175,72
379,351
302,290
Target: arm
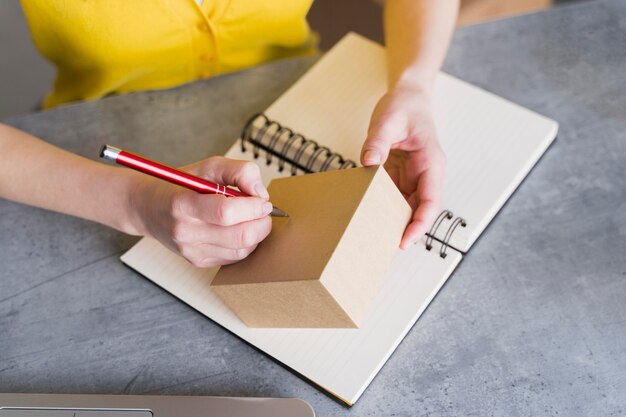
417,34
208,230
36,173
402,133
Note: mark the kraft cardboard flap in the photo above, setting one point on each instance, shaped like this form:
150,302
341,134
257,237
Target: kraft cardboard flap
323,266
320,207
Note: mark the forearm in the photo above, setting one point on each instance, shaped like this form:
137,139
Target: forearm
417,36
36,173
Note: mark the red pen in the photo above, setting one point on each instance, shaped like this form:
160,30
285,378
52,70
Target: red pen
173,175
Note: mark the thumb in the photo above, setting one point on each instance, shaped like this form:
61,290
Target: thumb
381,135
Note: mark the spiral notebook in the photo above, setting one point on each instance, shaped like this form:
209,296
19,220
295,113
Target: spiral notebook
319,124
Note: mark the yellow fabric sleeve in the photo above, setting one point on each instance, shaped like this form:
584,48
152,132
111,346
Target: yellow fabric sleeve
102,47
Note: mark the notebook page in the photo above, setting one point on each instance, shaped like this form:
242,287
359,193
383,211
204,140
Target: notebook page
343,361
332,103
491,144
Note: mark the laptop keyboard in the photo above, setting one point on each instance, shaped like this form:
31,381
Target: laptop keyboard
38,412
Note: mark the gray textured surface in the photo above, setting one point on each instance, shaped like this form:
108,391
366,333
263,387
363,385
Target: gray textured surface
25,76
533,322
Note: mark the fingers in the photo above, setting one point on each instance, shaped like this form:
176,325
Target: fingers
209,245
207,255
383,132
428,196
243,235
210,230
223,211
244,175
402,120
422,220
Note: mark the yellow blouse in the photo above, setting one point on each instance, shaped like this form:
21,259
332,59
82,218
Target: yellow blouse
103,46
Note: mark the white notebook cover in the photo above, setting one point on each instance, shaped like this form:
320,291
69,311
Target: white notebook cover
491,144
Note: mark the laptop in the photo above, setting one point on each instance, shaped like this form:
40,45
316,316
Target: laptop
83,405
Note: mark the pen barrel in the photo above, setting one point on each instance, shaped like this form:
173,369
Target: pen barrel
173,175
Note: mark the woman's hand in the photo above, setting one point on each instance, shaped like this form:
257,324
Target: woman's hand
208,230
402,136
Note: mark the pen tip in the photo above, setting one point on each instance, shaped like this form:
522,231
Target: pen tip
276,212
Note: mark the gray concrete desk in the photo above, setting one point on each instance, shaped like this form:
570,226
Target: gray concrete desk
533,322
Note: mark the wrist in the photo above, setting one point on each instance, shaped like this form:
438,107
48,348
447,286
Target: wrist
418,82
133,198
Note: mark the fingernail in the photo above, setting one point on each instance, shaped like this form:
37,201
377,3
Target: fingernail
261,191
267,208
371,157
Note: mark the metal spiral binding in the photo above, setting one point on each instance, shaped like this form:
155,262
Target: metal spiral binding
445,243
446,240
446,214
295,143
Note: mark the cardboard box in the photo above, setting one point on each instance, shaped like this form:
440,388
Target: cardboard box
322,266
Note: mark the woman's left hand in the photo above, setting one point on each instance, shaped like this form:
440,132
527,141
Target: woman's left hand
402,136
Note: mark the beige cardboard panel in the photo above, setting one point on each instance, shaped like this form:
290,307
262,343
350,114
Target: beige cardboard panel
320,207
371,223
364,254
300,304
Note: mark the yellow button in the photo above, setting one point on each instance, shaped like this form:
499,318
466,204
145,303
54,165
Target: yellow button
206,57
203,27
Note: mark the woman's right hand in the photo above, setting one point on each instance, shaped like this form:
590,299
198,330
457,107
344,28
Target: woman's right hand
208,230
